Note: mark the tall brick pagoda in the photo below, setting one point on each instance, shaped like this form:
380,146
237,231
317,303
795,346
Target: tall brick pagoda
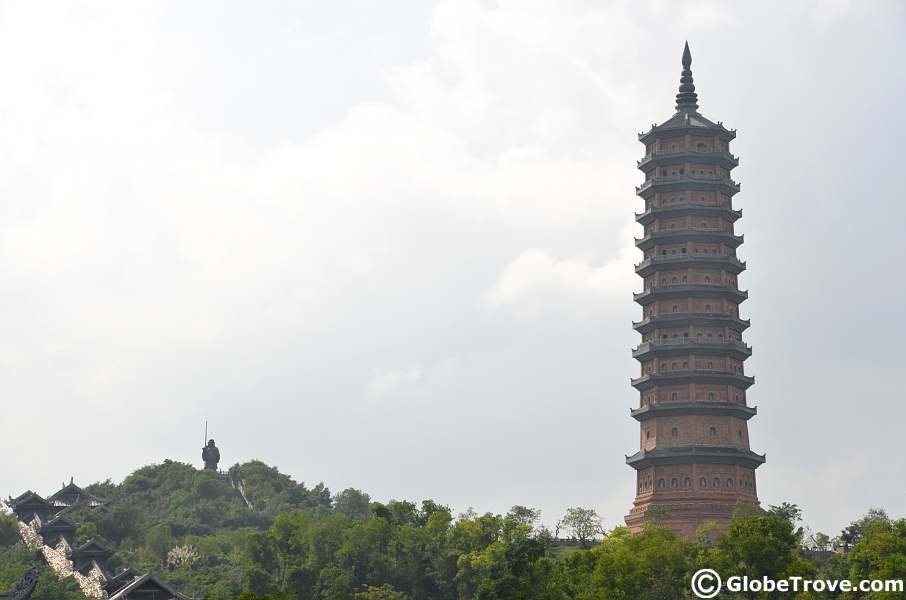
694,458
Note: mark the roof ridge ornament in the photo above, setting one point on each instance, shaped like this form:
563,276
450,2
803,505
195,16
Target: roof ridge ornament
687,99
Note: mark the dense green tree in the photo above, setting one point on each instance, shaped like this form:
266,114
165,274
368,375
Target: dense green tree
786,511
880,554
654,565
521,515
853,532
582,523
757,547
9,529
353,503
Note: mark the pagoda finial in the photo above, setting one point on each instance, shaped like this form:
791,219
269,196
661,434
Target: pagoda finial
687,99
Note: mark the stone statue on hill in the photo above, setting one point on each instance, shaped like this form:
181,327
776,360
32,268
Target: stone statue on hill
210,455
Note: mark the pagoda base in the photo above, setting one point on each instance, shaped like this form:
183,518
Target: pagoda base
688,515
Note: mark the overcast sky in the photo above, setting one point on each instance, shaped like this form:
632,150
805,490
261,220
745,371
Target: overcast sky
389,245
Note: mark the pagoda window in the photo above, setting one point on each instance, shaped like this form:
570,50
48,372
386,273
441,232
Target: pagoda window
674,366
673,281
663,281
720,336
663,200
710,172
663,253
674,336
699,336
664,336
672,146
704,225
716,482
707,308
685,365
695,250
673,226
710,366
684,277
740,433
674,432
664,367
664,174
640,486
703,482
707,279
712,431
709,336
674,483
687,482
675,308
703,199
711,395
673,252
714,251
686,334
729,482
660,483
673,397
700,145
647,435
683,251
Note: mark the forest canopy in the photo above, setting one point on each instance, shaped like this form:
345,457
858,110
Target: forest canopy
283,539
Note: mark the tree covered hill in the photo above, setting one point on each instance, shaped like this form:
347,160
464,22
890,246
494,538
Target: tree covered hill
203,538
172,506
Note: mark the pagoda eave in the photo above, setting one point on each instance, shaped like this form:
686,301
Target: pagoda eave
678,319
658,131
684,455
685,209
681,183
690,290
681,409
679,156
661,348
679,236
690,260
698,376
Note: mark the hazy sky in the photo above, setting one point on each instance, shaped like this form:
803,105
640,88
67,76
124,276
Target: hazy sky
389,245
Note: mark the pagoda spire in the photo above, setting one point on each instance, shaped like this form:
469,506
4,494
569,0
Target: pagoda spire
687,99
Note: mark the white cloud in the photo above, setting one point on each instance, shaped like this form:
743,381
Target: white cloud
536,282
385,382
58,347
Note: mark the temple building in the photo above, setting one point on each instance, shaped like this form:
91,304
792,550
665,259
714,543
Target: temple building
694,460
42,521
92,555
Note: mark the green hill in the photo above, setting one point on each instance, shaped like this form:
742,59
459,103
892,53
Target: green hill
282,539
